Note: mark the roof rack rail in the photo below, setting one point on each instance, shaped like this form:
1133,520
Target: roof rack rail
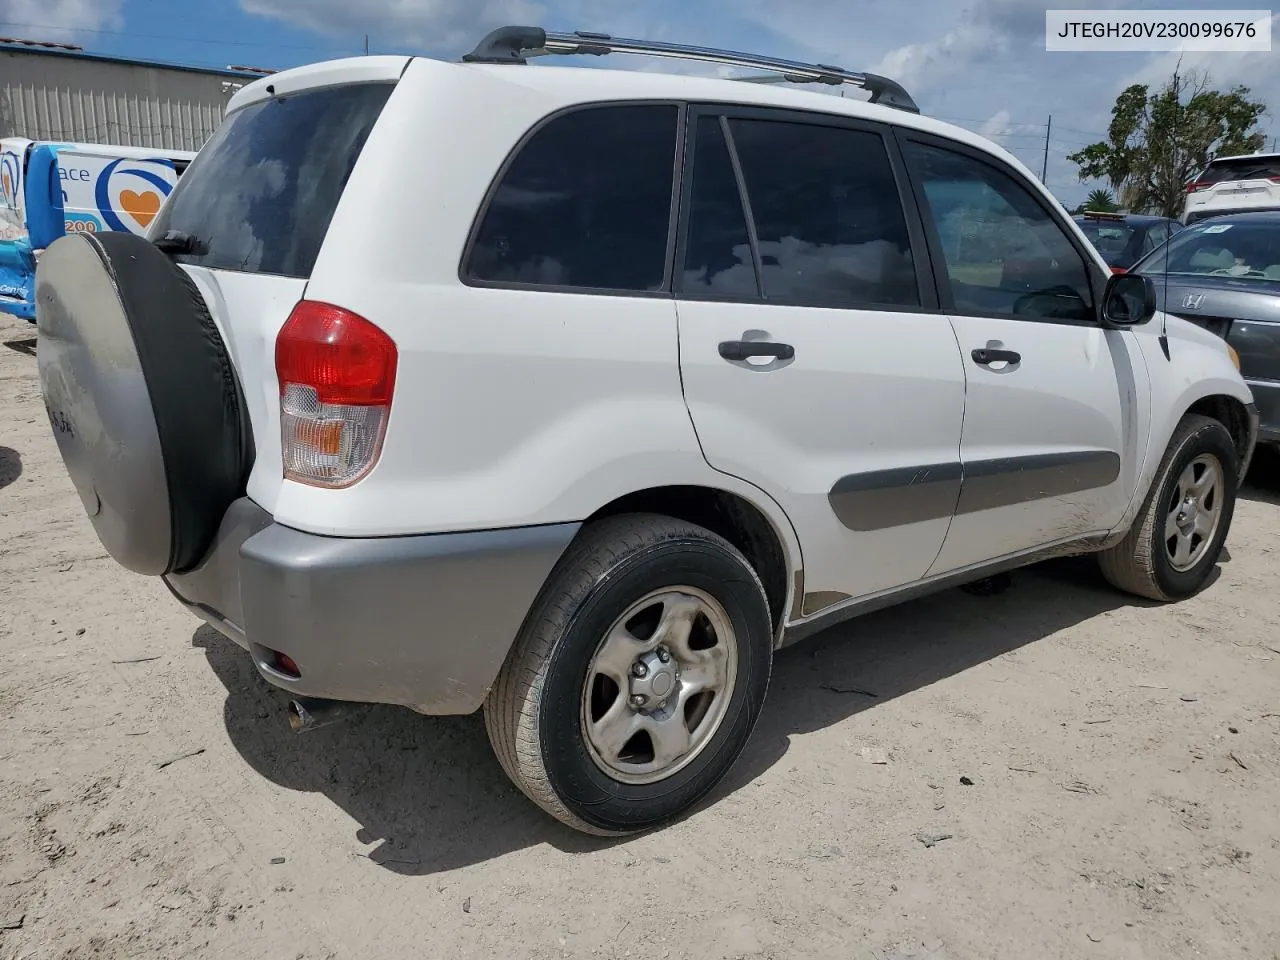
515,44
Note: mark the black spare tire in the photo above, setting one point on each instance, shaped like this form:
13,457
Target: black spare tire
142,397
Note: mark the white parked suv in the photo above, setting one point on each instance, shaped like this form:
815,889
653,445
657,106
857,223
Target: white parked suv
1234,185
574,394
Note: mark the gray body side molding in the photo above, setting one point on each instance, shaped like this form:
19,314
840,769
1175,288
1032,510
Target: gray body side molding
881,499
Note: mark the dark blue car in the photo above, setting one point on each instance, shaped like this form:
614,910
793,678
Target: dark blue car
1124,238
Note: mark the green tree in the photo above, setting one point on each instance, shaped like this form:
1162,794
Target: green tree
1157,141
1101,201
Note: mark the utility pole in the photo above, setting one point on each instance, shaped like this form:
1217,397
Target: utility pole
1044,167
366,44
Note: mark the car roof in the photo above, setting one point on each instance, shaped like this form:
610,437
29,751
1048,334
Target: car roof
587,84
561,87
1246,156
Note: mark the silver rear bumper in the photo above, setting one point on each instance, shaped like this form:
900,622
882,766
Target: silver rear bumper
420,621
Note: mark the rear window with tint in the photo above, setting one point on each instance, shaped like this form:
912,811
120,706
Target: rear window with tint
585,204
1242,168
260,195
1109,238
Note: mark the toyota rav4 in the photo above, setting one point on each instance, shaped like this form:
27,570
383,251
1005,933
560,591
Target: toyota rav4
574,394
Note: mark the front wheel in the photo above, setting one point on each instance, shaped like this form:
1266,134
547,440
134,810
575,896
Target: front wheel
638,677
1177,538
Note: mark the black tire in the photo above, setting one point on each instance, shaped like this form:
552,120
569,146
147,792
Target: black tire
144,403
533,712
1140,564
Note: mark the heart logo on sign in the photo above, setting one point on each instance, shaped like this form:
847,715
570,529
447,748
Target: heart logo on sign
143,207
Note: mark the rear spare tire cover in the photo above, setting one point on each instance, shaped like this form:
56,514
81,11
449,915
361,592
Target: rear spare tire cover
142,397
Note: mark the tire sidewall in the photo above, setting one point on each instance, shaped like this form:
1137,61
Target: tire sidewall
586,790
1213,438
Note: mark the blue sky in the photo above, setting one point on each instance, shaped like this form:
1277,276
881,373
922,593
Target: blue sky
980,63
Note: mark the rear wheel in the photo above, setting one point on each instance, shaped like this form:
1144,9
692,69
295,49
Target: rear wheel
638,677
1177,538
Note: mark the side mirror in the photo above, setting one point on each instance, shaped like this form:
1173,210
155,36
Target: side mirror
1128,300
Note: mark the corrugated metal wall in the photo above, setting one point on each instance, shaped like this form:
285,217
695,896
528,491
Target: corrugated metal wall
52,97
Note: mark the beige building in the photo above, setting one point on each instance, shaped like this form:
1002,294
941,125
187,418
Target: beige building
58,92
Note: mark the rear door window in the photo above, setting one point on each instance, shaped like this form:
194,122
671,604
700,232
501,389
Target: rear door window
585,204
718,257
260,195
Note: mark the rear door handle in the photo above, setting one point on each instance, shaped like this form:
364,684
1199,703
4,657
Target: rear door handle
986,356
742,349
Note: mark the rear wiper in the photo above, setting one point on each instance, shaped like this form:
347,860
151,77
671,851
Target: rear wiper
176,241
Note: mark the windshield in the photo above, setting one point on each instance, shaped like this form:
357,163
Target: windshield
259,197
1241,168
1246,251
1109,238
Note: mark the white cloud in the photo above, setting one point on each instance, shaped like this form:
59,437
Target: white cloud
60,20
987,59
996,124
982,63
1255,70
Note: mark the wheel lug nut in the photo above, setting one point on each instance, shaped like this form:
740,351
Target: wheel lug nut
637,700
639,670
663,655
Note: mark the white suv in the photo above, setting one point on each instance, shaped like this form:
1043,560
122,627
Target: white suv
574,394
1234,185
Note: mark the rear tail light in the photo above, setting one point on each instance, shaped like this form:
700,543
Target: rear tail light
1198,185
337,373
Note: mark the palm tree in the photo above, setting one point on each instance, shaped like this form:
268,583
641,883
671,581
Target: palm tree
1102,201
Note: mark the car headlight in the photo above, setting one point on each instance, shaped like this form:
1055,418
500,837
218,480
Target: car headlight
1235,357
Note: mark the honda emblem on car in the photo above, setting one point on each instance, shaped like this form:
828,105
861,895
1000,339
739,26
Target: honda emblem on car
1192,301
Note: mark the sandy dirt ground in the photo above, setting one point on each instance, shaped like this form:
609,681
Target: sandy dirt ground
1106,775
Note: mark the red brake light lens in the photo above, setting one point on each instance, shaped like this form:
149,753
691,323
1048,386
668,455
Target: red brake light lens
346,359
337,373
1198,185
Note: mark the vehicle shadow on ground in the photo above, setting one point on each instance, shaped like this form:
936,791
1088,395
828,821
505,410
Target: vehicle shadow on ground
10,466
869,661
429,792
25,345
1263,482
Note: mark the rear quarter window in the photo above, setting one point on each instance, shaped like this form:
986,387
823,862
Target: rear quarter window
585,204
1110,239
261,193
